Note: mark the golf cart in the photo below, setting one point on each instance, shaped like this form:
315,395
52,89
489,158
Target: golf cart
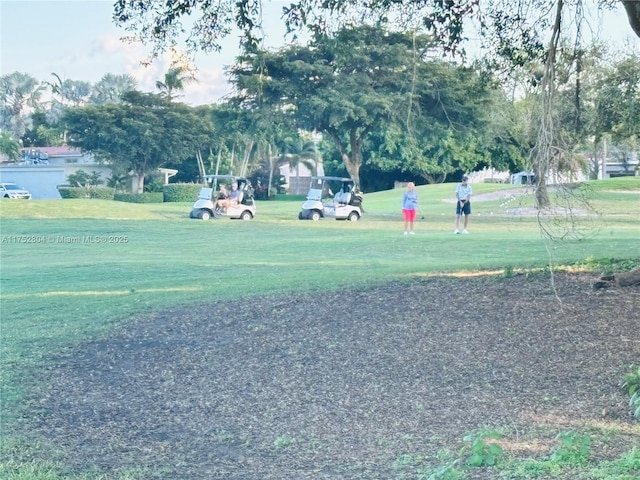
206,206
345,204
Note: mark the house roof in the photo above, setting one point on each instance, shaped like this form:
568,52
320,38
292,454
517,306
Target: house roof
63,151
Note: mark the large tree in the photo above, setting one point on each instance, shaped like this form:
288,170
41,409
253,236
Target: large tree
19,95
110,88
140,135
346,85
509,24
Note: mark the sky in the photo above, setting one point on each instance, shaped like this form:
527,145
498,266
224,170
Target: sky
77,40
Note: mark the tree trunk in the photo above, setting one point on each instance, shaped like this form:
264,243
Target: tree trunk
140,182
626,279
629,278
633,12
544,149
351,162
271,167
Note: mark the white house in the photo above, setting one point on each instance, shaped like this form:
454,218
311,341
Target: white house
298,178
42,169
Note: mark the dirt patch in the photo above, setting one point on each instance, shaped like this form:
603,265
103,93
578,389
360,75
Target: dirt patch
357,384
507,195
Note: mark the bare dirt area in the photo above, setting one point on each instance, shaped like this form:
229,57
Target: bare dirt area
355,384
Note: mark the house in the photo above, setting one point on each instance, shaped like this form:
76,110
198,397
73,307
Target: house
298,178
41,169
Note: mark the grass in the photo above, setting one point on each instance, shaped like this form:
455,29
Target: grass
73,269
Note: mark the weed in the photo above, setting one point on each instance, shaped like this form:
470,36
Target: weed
508,272
443,472
284,441
574,448
479,451
403,461
631,386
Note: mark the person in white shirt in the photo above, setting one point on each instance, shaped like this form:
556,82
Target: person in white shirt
463,204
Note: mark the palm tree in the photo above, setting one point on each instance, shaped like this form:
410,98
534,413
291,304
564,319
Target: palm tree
9,146
110,88
71,92
296,151
18,93
175,80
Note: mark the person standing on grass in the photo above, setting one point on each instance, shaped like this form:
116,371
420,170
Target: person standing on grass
463,204
409,207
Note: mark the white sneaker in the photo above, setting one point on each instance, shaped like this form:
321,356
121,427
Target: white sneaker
456,232
465,231
412,232
406,233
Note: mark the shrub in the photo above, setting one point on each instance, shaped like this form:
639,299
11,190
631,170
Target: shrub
480,450
147,197
631,386
181,192
102,193
575,448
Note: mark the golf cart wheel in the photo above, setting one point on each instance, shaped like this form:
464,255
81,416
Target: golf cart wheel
315,215
205,215
300,217
246,215
353,217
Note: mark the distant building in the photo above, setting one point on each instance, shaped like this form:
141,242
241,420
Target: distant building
41,169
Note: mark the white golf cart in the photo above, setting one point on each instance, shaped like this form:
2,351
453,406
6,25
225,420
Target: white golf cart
206,206
345,204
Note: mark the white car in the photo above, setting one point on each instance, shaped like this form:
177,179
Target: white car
12,190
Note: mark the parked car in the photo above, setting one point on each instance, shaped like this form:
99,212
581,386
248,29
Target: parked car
12,190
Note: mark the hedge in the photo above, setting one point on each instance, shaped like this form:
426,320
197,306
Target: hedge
181,192
102,193
146,197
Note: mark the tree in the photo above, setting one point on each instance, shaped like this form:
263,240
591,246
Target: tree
175,80
70,92
344,86
508,25
9,146
618,99
439,127
140,135
19,92
110,88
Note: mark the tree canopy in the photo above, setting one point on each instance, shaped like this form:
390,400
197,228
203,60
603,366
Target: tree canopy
140,135
510,27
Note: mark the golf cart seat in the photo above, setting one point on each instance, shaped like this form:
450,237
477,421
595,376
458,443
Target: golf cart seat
342,198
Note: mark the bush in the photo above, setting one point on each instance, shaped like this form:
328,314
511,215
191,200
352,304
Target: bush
102,193
631,386
181,192
147,197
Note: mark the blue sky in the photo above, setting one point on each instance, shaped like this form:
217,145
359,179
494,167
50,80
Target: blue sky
77,40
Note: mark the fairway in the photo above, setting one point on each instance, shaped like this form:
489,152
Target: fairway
113,311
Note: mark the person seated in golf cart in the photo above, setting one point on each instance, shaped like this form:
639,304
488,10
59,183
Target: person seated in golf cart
343,197
221,199
234,198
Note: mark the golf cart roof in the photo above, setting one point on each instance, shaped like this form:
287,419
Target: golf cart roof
339,179
224,177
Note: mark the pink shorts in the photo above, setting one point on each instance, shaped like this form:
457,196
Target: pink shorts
409,215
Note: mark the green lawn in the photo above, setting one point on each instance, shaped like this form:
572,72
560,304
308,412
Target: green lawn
70,269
